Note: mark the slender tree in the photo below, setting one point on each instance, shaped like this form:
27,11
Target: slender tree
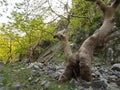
79,63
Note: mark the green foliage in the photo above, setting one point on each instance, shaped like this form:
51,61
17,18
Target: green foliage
27,25
17,36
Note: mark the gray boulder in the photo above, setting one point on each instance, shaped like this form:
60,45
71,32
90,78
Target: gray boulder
116,67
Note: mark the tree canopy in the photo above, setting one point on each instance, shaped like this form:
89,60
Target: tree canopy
32,21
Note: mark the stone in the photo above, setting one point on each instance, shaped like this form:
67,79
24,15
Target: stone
37,80
116,67
36,73
30,78
99,84
45,84
16,85
2,88
118,82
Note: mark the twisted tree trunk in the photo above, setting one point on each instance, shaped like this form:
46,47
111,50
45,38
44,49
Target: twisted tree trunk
79,63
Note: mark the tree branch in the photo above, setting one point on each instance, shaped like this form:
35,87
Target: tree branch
115,4
101,4
67,49
79,16
110,2
55,12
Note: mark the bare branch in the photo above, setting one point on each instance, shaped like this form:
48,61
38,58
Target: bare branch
101,4
60,35
67,49
79,16
115,4
110,2
52,20
55,12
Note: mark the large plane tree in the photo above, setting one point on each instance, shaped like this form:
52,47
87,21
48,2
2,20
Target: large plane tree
79,63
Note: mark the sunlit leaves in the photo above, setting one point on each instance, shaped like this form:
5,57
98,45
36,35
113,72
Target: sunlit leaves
28,25
17,36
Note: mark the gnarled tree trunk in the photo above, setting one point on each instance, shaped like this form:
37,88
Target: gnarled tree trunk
79,63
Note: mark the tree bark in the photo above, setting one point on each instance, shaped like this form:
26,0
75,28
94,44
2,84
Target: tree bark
31,51
79,63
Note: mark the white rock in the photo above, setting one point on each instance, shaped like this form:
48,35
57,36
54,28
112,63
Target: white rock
116,67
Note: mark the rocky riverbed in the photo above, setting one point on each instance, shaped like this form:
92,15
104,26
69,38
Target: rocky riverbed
44,76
